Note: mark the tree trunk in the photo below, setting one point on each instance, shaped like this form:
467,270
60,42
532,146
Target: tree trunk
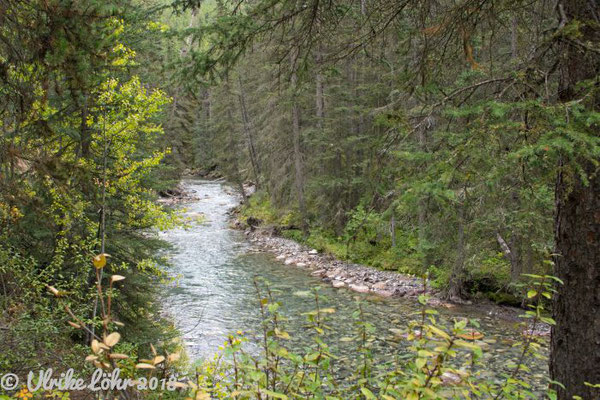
423,207
319,92
512,255
514,36
575,342
86,135
299,174
393,229
248,133
457,278
233,166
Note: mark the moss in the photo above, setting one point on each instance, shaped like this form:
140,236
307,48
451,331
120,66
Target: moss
502,298
259,206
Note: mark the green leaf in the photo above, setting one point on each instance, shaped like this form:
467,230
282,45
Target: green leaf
276,395
367,393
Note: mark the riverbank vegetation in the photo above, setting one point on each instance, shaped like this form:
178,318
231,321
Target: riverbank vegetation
82,157
458,139
438,362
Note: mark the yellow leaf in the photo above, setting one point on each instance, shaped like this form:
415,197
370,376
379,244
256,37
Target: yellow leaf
145,366
112,339
91,357
437,331
118,356
158,359
102,365
471,335
202,396
173,357
462,343
153,349
281,334
54,291
95,346
100,260
116,278
74,325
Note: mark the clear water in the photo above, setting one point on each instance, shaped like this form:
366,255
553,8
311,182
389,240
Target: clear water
214,294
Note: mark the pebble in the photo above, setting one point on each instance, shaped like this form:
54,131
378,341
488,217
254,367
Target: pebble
450,378
359,288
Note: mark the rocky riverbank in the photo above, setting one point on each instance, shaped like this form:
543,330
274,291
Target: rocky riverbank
177,195
360,278
365,279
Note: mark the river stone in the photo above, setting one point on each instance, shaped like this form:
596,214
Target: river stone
338,284
313,251
359,288
450,378
289,261
380,286
384,293
300,264
280,257
319,272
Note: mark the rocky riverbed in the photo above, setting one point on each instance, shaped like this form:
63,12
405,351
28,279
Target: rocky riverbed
365,279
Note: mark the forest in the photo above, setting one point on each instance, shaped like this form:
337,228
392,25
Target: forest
156,155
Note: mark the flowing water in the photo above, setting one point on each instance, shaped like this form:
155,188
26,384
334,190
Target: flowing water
214,294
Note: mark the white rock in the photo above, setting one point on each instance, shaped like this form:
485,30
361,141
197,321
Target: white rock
359,288
280,257
313,251
338,284
289,261
450,378
301,264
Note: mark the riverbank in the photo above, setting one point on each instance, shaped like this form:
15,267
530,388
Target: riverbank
360,278
365,279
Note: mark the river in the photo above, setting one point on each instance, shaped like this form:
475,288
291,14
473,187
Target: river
214,295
